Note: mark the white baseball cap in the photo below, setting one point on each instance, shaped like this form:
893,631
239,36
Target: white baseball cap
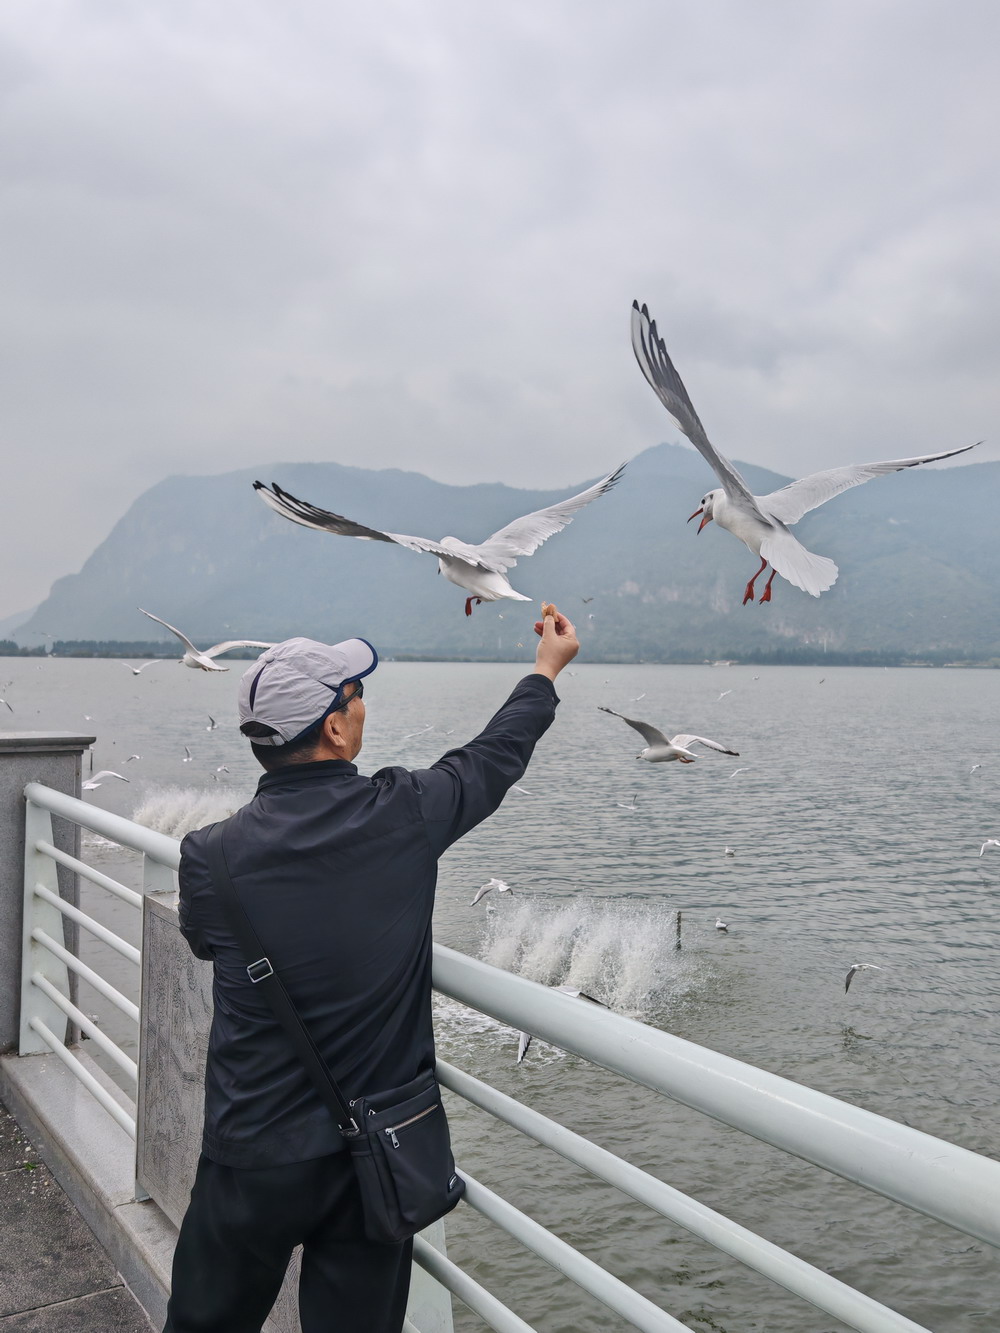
297,683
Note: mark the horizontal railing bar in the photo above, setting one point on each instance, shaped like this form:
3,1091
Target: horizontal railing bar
88,872
952,1184
795,1275
467,1289
87,1025
85,1076
608,1289
129,834
88,974
109,937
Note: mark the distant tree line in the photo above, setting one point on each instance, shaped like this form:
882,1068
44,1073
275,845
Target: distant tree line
791,655
108,648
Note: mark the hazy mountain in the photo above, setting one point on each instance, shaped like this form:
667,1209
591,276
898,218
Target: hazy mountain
919,554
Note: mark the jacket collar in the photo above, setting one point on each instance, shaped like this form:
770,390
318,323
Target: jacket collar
317,771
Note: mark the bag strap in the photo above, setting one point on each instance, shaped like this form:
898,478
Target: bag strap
261,973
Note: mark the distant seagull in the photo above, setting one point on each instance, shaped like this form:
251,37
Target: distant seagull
755,677
631,805
222,769
7,705
730,851
639,696
761,522
586,600
659,749
739,770
859,967
523,790
990,842
721,925
974,767
497,884
201,659
136,670
98,778
212,724
525,1038
423,730
480,570
188,756
133,756
723,695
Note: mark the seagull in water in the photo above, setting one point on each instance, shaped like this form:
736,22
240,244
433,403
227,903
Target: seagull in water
525,1038
761,522
202,659
497,884
859,967
98,778
480,570
721,925
660,749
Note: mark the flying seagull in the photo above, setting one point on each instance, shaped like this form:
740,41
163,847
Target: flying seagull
202,659
859,967
659,749
480,570
761,522
990,842
137,670
497,884
98,778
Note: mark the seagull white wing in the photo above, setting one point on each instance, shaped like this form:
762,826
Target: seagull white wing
798,497
183,637
526,534
107,773
221,648
685,740
649,734
324,520
523,1042
655,364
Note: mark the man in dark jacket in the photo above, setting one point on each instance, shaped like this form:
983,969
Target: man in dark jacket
337,873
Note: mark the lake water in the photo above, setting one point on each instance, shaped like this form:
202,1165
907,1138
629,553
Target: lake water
856,824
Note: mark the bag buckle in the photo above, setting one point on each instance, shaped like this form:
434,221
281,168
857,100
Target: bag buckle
351,1130
260,970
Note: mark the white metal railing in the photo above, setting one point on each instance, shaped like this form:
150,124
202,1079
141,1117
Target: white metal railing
929,1175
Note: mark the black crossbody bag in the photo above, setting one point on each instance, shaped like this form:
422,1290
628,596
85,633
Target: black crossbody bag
398,1139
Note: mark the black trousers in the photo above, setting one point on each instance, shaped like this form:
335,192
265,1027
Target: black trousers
238,1235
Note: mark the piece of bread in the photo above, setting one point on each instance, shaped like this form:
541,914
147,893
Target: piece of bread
548,609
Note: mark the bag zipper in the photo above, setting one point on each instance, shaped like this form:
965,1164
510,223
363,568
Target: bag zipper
390,1132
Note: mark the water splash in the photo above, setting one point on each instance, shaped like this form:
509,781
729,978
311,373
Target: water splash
177,810
621,952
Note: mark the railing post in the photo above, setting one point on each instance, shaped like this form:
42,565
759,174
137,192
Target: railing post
40,869
52,758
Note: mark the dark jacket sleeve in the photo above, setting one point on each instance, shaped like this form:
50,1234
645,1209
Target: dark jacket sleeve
192,871
466,785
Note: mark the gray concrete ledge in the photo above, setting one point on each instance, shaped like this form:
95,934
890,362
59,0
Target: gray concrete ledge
44,742
92,1158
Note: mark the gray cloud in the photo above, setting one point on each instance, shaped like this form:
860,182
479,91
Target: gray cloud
408,235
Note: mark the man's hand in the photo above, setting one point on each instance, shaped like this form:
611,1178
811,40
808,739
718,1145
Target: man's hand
558,646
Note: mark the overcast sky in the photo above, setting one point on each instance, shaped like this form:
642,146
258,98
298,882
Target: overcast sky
237,233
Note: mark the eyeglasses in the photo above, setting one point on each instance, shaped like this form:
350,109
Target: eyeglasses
359,691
